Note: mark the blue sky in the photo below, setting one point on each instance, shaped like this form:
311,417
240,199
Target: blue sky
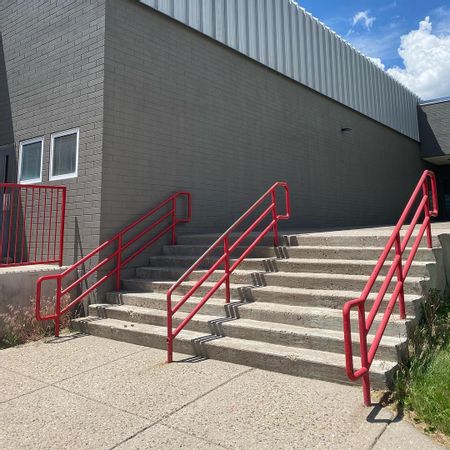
376,27
392,20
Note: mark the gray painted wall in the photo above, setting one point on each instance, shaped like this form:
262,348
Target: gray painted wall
283,36
183,111
434,126
53,64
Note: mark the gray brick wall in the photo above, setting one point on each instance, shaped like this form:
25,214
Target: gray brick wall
184,112
434,127
53,60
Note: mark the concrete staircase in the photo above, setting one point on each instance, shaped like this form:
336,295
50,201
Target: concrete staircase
285,313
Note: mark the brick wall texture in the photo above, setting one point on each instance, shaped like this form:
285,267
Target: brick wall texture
53,54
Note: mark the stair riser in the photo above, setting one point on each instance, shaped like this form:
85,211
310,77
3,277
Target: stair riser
276,363
347,241
157,303
312,320
178,262
306,282
320,343
320,301
159,320
270,265
258,295
423,254
247,312
208,240
195,251
285,265
342,284
212,349
154,286
131,336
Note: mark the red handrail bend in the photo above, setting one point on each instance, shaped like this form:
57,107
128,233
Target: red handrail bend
270,212
423,195
165,216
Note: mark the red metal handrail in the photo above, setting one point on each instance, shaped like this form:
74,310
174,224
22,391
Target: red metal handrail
117,255
397,268
32,224
228,248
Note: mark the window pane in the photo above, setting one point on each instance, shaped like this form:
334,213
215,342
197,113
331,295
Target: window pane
31,161
64,155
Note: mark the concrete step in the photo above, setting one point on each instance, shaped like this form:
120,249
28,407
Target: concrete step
209,238
350,253
356,267
316,294
276,333
266,294
307,316
307,280
321,298
198,250
290,360
147,285
356,240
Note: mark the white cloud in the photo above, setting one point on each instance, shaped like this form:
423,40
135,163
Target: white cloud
426,57
364,18
377,62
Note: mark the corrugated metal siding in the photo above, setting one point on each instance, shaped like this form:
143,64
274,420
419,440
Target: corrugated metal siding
284,37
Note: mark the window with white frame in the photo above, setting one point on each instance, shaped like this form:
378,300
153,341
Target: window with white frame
30,160
64,154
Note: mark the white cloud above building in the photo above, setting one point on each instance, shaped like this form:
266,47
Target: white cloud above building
426,60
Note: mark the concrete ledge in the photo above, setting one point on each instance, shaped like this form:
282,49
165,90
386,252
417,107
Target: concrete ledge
18,285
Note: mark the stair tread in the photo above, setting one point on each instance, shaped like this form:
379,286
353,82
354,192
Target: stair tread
275,307
298,353
277,289
250,323
299,275
350,247
331,261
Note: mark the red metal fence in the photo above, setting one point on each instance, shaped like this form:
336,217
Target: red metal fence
426,205
32,224
119,251
270,211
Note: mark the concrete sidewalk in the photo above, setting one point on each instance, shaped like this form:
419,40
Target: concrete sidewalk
88,392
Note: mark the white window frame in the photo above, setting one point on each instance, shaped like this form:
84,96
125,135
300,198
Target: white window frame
19,174
66,176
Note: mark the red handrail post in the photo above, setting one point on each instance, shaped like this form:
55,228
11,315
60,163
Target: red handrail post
169,328
426,211
58,306
363,353
119,261
226,250
276,241
63,220
400,279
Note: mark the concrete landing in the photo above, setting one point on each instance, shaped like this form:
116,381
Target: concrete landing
89,392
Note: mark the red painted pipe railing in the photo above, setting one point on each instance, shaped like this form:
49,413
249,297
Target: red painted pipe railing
32,224
224,241
398,268
117,246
